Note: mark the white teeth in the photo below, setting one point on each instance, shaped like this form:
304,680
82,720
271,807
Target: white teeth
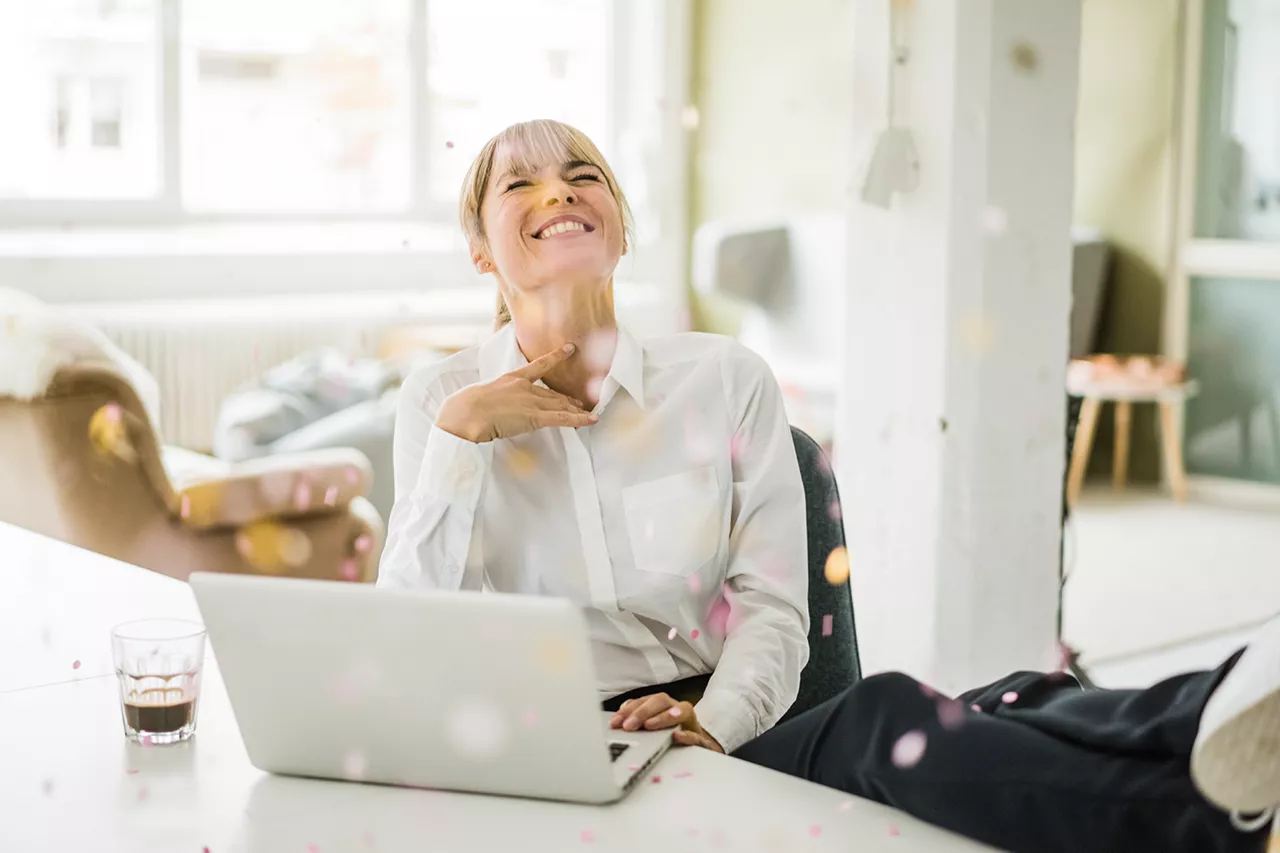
562,227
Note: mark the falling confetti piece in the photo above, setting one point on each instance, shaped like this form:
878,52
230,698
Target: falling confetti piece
1010,697
75,664
146,740
132,771
521,462
682,774
364,542
302,495
205,850
695,585
108,433
826,625
837,569
313,848
815,831
632,768
353,476
928,691
994,220
350,571
909,749
951,714
588,835
143,795
834,511
656,779
671,635
693,635
976,708
675,712
448,143
893,831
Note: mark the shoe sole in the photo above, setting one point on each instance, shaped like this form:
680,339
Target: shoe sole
1237,767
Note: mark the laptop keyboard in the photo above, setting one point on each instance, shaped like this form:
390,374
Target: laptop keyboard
616,749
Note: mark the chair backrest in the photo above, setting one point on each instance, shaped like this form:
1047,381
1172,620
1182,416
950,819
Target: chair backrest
833,644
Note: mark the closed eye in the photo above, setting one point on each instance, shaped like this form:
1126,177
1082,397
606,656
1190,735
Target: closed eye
516,185
587,176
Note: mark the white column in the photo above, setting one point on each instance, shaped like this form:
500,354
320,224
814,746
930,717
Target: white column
950,445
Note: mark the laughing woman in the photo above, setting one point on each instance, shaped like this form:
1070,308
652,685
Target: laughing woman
655,484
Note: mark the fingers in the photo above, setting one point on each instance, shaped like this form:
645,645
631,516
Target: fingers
563,418
649,708
677,715
542,365
549,395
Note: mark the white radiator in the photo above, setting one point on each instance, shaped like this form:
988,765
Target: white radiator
199,352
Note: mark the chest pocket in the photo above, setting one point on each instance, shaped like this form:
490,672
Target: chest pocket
674,522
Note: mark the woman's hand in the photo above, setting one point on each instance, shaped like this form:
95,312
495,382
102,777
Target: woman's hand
660,711
512,405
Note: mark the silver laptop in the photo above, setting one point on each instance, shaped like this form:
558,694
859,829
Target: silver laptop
462,691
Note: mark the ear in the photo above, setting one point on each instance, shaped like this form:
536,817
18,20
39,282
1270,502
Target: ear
481,260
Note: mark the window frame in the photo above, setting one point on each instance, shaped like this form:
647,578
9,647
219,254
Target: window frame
166,208
1194,257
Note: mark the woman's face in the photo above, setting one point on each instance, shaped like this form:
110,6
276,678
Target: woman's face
555,223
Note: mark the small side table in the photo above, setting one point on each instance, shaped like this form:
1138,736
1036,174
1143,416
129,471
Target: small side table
1095,393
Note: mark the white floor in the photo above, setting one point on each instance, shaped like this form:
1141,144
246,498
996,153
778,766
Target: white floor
1156,588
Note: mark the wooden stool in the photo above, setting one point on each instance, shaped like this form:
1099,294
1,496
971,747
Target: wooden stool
1096,392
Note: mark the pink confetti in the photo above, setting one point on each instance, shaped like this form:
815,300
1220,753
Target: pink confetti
717,618
951,714
1010,697
111,411
656,779
909,749
834,511
928,691
675,712
146,740
350,571
205,850
588,836
826,625
143,795
632,768
353,476
693,635
132,771
302,495
75,664
313,848
448,144
331,496
846,805
671,635
682,774
815,831
893,831
364,542
184,510
695,585
976,708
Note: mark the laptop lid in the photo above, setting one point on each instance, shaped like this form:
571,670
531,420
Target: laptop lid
481,692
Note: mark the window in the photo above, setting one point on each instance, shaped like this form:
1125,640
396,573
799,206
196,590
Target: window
1223,311
202,109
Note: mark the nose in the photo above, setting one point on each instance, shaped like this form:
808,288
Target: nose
559,192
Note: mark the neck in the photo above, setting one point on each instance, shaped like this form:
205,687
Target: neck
550,317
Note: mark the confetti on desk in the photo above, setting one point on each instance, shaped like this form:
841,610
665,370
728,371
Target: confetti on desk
815,831
682,774
1010,697
588,835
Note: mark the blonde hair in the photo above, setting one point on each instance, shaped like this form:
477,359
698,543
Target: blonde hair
532,144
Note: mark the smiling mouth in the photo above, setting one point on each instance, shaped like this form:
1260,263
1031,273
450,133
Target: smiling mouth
565,227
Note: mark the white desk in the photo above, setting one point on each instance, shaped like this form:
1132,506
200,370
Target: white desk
71,781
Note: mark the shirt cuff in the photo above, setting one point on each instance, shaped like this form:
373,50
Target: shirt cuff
727,719
454,469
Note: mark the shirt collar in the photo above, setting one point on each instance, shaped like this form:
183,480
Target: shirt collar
501,354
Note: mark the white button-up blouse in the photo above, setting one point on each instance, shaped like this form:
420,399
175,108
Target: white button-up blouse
677,522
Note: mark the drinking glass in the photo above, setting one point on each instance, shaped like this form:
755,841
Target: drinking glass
158,663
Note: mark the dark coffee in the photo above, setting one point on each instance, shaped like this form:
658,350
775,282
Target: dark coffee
154,717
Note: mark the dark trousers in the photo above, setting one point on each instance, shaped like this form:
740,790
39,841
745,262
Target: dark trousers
1056,769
